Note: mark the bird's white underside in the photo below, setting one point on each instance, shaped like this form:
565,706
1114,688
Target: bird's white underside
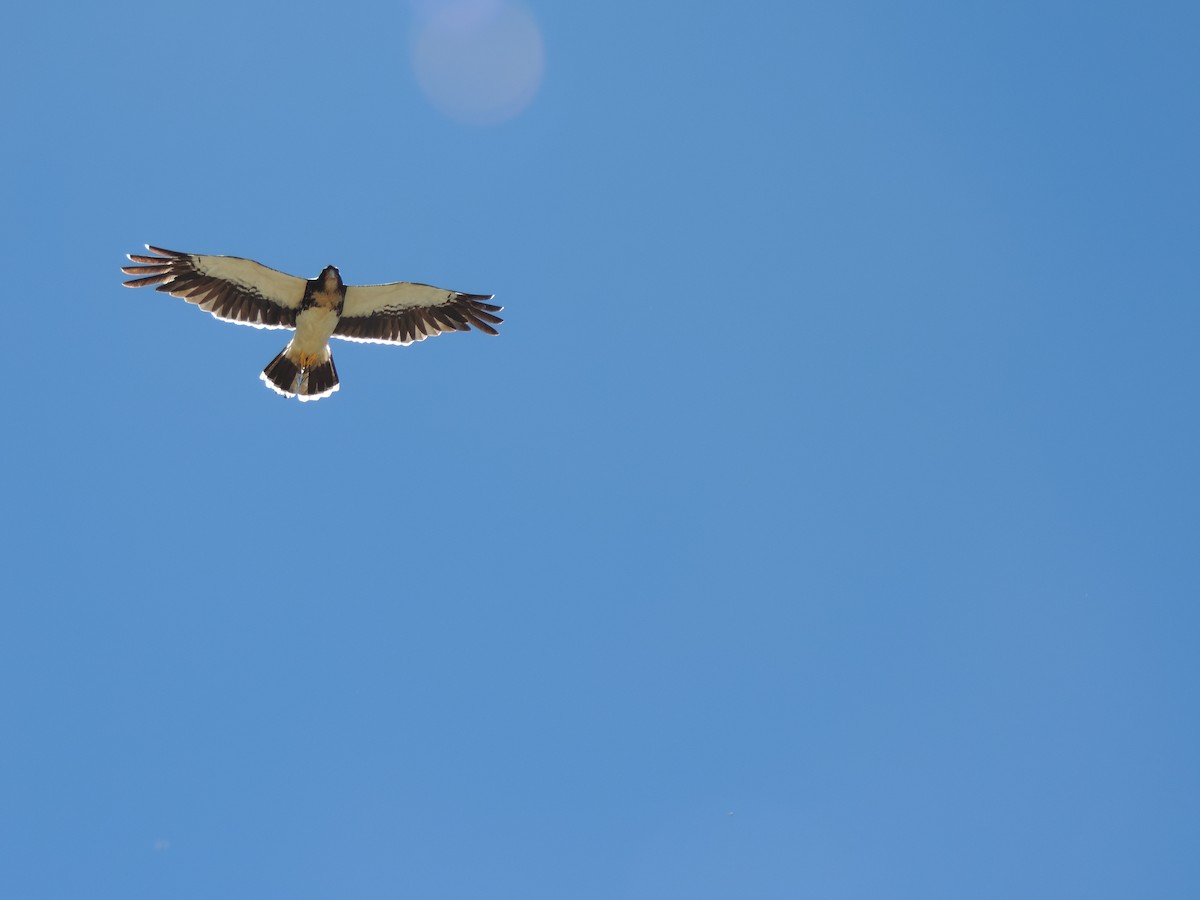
313,329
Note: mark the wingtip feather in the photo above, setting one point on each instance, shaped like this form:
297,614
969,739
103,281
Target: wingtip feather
145,282
161,252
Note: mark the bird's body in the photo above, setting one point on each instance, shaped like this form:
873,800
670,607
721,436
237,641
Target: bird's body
243,291
304,367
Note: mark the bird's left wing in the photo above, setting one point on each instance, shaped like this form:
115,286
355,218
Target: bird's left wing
231,288
404,312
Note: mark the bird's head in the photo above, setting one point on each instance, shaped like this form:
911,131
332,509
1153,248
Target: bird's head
331,278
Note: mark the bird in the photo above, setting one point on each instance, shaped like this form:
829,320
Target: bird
244,291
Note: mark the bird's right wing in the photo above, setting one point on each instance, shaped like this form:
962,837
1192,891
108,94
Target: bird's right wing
231,288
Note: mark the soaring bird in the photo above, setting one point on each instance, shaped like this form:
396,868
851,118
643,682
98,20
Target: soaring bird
243,291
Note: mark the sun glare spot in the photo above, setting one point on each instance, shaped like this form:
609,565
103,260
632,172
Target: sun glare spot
478,61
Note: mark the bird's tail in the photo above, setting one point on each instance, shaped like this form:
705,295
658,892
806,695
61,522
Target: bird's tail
291,375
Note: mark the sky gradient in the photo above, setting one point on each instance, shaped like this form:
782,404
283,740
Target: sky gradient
822,523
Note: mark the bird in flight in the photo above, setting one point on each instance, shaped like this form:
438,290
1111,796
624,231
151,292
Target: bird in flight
249,293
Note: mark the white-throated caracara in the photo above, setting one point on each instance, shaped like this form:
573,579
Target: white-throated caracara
243,291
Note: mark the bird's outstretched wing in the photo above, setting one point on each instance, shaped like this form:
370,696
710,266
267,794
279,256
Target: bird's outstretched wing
404,312
229,287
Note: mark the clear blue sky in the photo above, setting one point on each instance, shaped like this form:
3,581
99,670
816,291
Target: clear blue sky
823,523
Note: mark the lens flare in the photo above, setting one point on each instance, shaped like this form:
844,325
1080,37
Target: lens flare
478,61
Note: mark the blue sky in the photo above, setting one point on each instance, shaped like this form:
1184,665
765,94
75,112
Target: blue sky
822,523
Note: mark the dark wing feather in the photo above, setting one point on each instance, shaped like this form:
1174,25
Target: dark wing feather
231,288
